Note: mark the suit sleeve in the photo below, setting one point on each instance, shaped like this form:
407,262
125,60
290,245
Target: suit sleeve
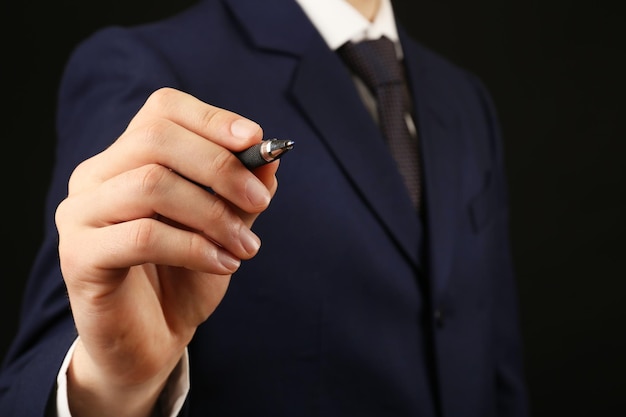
103,86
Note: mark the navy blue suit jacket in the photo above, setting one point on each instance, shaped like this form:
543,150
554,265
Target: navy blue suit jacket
354,306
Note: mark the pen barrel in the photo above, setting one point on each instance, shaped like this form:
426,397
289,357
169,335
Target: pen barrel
264,152
252,157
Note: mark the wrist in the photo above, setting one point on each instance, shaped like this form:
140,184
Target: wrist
93,393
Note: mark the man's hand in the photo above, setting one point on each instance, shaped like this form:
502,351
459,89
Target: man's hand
147,253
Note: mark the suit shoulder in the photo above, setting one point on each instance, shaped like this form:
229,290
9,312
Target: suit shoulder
185,26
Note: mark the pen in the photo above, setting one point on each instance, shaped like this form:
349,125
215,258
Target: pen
262,153
265,152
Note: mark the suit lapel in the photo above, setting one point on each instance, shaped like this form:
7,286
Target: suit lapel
326,93
323,90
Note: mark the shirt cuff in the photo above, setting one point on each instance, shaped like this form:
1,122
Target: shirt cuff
170,402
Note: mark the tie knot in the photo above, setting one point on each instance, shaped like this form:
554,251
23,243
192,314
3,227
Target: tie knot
375,61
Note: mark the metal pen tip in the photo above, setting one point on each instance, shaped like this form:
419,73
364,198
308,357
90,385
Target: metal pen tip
264,152
278,147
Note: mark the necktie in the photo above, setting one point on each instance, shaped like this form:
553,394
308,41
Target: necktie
376,63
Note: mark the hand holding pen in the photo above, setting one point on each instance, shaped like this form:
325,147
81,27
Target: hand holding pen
145,253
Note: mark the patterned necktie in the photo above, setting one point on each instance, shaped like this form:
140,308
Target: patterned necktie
376,63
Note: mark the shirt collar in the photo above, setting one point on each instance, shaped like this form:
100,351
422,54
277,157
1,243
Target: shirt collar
338,22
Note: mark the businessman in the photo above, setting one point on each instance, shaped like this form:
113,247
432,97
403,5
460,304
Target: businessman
175,281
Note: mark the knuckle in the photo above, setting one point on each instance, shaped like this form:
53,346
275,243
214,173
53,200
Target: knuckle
212,117
218,210
69,261
79,177
60,213
221,163
152,178
142,234
155,132
160,98
149,134
196,245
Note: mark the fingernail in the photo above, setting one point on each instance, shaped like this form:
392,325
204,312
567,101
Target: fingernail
228,261
244,128
257,193
251,243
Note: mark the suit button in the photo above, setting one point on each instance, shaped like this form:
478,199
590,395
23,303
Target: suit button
438,318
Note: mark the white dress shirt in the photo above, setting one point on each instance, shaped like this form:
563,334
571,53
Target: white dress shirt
338,22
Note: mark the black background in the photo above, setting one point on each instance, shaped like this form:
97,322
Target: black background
556,72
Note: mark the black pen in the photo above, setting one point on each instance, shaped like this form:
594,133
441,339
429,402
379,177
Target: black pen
265,152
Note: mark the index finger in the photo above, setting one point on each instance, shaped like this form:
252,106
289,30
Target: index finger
221,126
195,139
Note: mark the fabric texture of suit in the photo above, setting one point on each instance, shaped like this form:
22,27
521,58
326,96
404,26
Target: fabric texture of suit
353,307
